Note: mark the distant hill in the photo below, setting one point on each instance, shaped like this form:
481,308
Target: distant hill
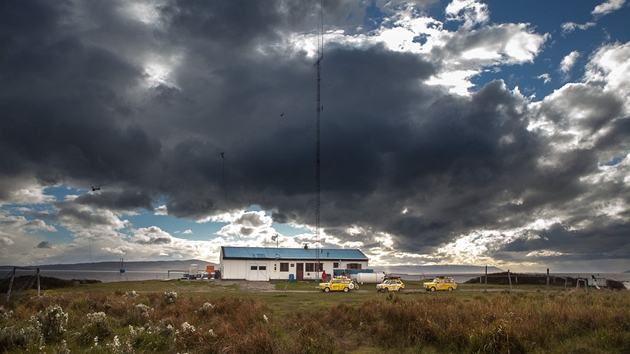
129,266
436,269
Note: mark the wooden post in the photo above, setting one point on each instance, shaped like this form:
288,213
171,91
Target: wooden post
485,288
547,279
11,285
510,280
38,287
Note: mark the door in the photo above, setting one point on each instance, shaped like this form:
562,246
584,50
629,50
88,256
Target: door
299,271
257,272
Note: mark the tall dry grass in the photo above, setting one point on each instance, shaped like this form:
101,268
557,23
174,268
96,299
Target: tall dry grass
164,322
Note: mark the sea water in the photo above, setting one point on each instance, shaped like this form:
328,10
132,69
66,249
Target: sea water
106,276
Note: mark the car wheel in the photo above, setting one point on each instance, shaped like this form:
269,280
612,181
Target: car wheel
432,289
400,289
326,290
450,289
356,287
351,286
345,290
386,290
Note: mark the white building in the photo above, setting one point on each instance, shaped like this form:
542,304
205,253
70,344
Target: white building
263,263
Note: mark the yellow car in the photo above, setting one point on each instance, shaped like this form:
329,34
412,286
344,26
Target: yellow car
339,284
441,283
391,284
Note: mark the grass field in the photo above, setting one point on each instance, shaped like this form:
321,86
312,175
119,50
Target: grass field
242,317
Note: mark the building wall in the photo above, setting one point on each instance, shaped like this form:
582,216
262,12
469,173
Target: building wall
250,269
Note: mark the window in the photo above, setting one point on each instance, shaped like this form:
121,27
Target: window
353,266
253,268
321,267
262,268
284,267
335,264
310,267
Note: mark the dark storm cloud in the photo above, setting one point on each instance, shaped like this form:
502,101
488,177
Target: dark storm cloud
126,200
583,243
154,241
44,244
71,215
597,108
233,23
61,100
81,107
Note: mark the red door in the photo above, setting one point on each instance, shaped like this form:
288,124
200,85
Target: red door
299,271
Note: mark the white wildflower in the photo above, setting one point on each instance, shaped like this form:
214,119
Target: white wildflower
186,327
131,293
97,317
170,297
143,309
265,318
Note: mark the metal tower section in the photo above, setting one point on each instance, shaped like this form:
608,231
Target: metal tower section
320,56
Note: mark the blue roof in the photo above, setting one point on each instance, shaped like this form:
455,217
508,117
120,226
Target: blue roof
292,253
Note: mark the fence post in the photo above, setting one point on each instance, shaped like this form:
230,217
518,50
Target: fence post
38,287
485,287
11,284
510,280
547,279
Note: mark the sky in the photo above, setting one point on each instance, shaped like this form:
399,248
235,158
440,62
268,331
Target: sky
452,132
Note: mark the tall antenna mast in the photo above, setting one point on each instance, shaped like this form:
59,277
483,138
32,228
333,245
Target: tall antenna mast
320,56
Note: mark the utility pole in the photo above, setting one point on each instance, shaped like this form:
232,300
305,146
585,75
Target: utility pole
320,56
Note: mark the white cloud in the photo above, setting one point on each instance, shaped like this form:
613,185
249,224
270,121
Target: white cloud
39,225
24,192
461,54
187,232
569,27
161,210
545,253
117,251
456,82
152,236
145,12
607,7
471,12
568,61
545,77
610,65
4,240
